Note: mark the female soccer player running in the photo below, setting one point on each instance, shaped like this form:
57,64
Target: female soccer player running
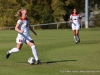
22,27
75,19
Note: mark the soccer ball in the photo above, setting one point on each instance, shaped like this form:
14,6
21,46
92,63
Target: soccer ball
31,60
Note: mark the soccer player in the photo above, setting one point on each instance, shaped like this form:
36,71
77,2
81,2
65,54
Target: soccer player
22,27
75,20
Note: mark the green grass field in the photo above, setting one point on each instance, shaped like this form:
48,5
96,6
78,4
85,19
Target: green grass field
57,51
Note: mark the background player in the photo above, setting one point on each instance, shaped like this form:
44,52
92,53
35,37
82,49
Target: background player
75,19
22,27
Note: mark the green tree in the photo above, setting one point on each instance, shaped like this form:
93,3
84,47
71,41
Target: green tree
78,4
7,12
40,11
58,9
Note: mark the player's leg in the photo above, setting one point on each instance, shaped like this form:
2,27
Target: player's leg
74,32
75,37
14,50
77,34
18,47
78,37
34,51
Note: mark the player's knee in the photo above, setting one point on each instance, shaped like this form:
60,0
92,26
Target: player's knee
32,41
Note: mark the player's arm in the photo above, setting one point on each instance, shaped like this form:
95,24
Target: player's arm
70,20
80,18
32,30
17,28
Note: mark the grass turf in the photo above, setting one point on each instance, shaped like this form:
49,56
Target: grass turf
57,51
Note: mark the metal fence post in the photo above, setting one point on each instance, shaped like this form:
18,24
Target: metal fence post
33,27
57,25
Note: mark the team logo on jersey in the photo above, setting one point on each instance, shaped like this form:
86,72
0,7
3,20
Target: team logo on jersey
20,40
74,18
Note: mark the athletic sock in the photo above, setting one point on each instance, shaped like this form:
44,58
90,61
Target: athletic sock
34,52
13,50
75,38
78,37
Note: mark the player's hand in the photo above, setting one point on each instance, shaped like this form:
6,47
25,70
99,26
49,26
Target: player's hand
71,21
21,31
35,33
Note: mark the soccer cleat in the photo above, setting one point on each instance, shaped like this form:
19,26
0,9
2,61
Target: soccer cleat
7,55
79,41
37,62
76,42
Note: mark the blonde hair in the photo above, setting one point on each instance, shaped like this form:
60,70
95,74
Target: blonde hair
19,12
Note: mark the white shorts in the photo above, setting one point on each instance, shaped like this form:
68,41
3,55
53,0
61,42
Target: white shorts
22,40
75,27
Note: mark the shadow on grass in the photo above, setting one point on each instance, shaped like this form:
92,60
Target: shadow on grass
49,62
91,42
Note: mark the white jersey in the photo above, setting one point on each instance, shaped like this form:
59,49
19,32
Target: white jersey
25,36
75,21
24,25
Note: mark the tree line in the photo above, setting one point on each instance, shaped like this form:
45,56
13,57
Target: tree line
40,11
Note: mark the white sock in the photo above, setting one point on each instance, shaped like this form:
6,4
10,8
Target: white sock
34,52
13,50
78,37
75,38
